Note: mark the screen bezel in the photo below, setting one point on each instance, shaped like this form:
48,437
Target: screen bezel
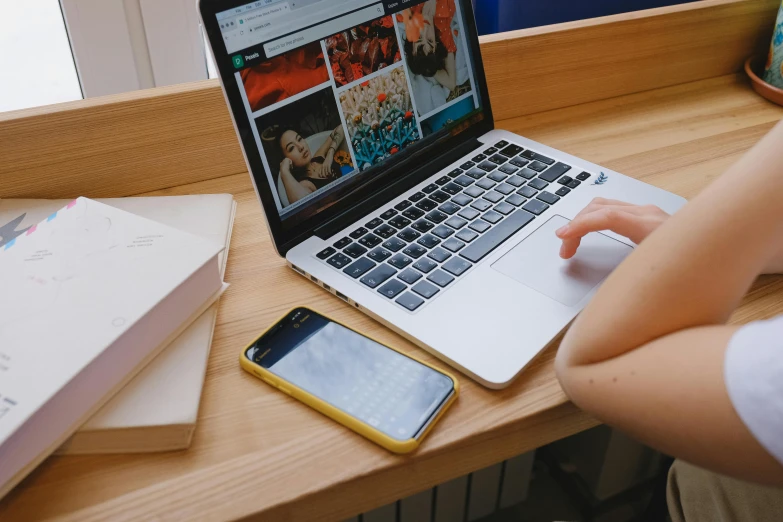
407,167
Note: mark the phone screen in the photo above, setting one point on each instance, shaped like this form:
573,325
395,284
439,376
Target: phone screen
389,391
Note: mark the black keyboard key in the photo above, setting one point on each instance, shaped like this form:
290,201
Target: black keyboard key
457,266
467,235
490,151
410,276
515,199
385,231
375,223
498,159
527,192
443,231
480,248
410,301
456,222
388,214
429,241
515,181
492,217
479,158
399,222
379,255
439,255
426,205
474,191
429,189
359,232
409,235
528,173
417,197
358,268
439,196
452,188
453,245
370,241
425,289
537,166
461,199
339,261
413,213
536,207
436,216
555,172
395,244
425,266
584,176
519,162
538,184
415,251
440,278
563,191
574,184
501,144
487,166
497,176
508,169
464,181
392,289
529,154
400,261
378,276
402,205
512,150
467,165
565,180
449,208
548,198
442,181
454,173
486,184
423,226
504,208
476,173
325,254
505,189
355,250
469,213
493,197
481,205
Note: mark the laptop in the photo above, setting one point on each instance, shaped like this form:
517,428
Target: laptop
367,129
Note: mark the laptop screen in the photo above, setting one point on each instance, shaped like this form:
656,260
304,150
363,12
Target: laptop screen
334,90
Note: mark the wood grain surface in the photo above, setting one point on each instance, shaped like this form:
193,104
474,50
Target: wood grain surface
259,454
151,140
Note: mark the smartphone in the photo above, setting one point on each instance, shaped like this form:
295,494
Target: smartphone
384,395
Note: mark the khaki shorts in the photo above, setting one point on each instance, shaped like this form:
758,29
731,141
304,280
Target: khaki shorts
696,495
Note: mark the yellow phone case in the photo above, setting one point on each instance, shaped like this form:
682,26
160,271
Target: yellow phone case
336,414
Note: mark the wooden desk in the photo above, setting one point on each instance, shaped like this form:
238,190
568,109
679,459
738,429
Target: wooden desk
258,453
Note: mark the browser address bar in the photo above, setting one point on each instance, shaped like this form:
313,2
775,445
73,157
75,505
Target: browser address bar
319,32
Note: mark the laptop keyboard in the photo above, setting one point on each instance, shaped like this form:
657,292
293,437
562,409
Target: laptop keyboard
413,251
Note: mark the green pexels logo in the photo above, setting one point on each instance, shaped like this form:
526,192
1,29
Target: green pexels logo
239,62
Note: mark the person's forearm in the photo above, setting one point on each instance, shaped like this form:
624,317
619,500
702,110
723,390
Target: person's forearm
293,189
694,269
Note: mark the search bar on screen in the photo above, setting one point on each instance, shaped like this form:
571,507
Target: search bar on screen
319,32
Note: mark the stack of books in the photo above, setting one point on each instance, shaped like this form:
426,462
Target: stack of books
106,320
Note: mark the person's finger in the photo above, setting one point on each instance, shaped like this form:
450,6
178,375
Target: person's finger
572,229
625,224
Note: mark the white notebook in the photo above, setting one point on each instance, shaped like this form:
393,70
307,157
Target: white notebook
157,410
91,295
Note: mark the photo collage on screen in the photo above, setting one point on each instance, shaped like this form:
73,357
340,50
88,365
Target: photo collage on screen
334,108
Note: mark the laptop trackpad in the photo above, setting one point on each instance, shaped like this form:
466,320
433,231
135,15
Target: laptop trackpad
535,262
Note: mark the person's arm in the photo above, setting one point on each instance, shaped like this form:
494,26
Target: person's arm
294,189
647,354
447,77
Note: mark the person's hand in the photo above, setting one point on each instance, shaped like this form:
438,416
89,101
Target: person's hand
286,165
632,221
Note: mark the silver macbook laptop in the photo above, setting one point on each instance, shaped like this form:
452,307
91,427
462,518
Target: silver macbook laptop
368,132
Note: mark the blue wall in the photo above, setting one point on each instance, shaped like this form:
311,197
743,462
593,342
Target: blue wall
495,16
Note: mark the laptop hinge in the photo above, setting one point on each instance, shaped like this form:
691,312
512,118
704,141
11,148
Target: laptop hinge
375,201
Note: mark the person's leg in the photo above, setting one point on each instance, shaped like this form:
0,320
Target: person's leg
697,495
